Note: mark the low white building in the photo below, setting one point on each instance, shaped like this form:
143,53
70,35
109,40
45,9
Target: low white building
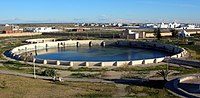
129,34
11,27
119,24
150,26
190,27
183,34
6,25
174,25
163,25
169,25
45,29
16,28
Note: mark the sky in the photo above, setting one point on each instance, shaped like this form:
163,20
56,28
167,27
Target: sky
99,11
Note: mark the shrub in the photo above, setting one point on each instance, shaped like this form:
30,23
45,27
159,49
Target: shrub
3,84
49,72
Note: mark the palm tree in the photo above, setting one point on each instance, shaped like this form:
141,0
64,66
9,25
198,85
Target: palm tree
164,74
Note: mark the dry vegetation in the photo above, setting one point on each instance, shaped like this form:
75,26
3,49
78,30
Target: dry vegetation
20,87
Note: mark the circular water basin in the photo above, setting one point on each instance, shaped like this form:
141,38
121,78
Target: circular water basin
98,54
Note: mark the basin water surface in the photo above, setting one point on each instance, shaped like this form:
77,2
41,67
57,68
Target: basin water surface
99,54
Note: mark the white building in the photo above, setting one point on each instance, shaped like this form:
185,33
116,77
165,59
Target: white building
174,25
163,25
114,24
92,25
190,27
169,25
183,33
6,25
13,27
16,28
128,34
119,24
45,29
150,26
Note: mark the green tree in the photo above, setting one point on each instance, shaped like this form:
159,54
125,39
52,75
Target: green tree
157,33
174,32
49,72
164,74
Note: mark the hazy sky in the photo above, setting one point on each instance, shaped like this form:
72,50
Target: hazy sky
31,11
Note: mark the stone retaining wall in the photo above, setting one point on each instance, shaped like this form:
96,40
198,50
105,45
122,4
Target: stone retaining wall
20,34
41,40
178,51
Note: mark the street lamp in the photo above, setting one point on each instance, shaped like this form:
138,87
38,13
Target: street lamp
167,59
34,75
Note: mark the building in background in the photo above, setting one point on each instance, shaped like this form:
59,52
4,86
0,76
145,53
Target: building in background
45,29
169,25
129,34
9,29
189,27
183,34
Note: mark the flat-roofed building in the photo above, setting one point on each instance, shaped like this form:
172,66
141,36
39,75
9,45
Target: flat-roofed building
129,34
45,29
8,29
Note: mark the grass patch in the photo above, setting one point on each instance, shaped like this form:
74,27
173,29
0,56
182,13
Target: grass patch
194,50
135,75
82,69
184,71
141,71
83,75
17,67
27,87
147,92
94,95
149,68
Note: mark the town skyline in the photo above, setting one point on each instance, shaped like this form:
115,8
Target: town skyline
99,11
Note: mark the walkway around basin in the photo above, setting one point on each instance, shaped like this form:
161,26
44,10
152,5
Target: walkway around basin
171,87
